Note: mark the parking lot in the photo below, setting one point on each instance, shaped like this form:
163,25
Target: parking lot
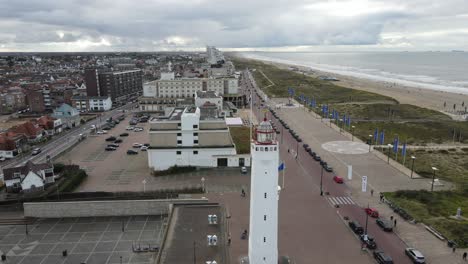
93,240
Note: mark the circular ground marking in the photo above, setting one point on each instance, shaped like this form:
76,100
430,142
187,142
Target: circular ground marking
346,147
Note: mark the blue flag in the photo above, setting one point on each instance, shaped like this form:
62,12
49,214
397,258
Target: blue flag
403,150
382,137
349,121
395,145
281,167
376,134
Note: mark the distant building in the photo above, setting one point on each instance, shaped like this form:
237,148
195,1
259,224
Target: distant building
10,144
28,178
187,138
92,103
35,101
12,101
201,98
121,86
70,116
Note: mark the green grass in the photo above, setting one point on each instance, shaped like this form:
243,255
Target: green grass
438,132
435,209
241,138
389,112
323,91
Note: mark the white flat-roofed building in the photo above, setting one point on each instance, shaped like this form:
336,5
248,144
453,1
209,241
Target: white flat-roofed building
187,138
92,103
201,98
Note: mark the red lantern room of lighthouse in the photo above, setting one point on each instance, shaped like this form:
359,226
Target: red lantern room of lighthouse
264,134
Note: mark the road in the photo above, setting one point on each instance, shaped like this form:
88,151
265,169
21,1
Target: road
65,139
338,193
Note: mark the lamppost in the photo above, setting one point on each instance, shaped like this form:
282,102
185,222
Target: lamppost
370,142
388,154
203,183
297,149
321,181
352,133
434,169
412,165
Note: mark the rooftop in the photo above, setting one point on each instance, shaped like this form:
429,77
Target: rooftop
207,94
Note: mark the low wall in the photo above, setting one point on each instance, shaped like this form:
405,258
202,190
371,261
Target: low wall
102,208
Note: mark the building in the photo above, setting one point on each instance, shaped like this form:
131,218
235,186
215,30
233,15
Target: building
201,98
51,125
10,144
31,130
188,87
264,195
12,101
214,56
70,116
35,101
162,105
92,103
28,178
121,86
187,138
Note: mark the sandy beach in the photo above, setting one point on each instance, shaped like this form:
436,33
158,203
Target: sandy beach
427,98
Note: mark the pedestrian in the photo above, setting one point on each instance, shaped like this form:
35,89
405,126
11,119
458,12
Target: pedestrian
394,222
464,256
229,240
391,218
372,192
288,150
453,249
243,193
381,197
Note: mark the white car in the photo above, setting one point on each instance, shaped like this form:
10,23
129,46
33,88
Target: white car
36,151
143,148
138,129
130,128
2,158
137,145
100,132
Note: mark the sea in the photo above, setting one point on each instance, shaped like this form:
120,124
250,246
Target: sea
444,71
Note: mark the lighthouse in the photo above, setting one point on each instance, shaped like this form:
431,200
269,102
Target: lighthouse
263,239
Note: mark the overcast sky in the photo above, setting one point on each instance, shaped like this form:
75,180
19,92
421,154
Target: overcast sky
292,25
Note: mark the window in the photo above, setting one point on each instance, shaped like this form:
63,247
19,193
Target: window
195,126
195,134
264,217
179,141
179,134
178,124
264,239
195,141
264,195
178,152
195,152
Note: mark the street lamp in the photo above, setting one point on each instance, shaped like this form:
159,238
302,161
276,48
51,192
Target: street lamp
388,155
352,133
297,149
412,165
434,169
370,142
321,181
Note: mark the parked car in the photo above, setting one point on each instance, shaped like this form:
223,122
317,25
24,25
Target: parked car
138,129
382,258
124,135
356,227
372,212
100,132
119,140
131,152
36,151
317,158
313,154
243,170
322,163
111,138
337,179
137,145
298,139
305,146
146,144
109,148
113,145
415,255
369,241
286,126
386,225
143,148
129,128
328,168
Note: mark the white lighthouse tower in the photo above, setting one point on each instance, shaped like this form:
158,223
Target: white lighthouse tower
263,239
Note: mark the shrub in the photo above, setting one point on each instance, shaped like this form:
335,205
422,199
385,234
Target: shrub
175,170
443,151
58,168
72,179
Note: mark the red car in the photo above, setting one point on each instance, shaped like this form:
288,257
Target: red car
337,179
372,212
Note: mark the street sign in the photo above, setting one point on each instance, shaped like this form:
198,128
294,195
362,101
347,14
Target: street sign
350,172
364,183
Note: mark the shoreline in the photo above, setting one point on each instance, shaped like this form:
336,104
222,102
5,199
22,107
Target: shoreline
404,94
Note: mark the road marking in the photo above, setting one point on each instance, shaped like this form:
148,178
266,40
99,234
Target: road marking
341,200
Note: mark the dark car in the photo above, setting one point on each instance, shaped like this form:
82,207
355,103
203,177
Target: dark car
124,135
386,225
382,258
313,154
277,132
298,139
109,148
305,145
317,158
369,242
132,152
322,163
111,138
328,168
119,140
146,144
308,149
286,126
356,227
